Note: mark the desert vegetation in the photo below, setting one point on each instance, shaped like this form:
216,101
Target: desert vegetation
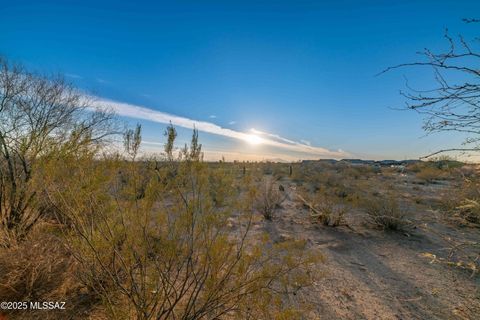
269,197
117,235
88,218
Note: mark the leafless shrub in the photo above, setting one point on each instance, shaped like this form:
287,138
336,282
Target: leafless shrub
324,210
330,214
384,212
269,198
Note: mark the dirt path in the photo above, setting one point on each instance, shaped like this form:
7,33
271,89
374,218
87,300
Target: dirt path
370,274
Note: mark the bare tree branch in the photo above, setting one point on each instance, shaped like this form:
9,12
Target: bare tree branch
454,104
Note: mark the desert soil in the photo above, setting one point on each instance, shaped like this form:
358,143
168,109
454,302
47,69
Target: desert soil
374,274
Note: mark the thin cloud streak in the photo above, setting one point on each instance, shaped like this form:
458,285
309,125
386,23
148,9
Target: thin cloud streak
139,112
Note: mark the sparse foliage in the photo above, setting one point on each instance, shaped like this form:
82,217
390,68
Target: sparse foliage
323,210
329,213
269,198
132,140
385,212
40,117
170,254
462,205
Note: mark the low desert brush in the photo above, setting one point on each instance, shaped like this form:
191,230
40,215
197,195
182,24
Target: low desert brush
429,174
269,198
469,210
462,204
384,212
171,253
330,214
324,210
39,268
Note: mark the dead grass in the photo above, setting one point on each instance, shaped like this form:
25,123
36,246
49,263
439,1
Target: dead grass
33,269
40,268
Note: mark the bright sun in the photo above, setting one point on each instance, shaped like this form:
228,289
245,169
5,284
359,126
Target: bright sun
253,139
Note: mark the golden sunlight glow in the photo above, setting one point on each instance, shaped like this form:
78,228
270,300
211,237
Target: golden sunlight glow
253,139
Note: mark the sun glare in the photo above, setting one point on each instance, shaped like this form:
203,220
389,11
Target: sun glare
253,139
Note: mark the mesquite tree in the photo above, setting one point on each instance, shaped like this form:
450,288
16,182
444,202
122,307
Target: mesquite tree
40,117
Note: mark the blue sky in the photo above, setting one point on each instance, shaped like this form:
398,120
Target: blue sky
302,73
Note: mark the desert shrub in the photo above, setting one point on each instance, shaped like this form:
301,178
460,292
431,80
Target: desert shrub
298,175
342,191
389,173
38,268
282,170
357,172
462,203
41,268
417,166
302,172
384,212
171,254
324,181
267,168
268,198
33,269
430,174
324,210
469,210
444,162
221,185
40,117
330,179
467,171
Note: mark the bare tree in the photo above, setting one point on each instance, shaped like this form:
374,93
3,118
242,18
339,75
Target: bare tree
40,117
454,103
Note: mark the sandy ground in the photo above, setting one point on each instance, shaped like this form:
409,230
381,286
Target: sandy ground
373,274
